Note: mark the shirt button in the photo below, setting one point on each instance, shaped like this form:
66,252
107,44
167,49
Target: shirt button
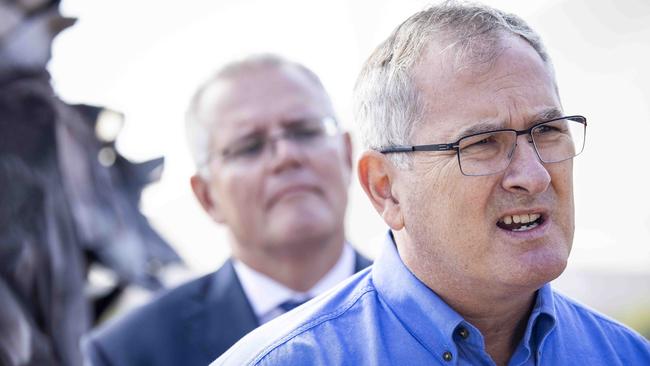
447,356
463,333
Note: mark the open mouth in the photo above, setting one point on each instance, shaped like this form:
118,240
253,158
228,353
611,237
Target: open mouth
521,222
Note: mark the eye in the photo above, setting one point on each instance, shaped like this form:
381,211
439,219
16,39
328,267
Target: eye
554,128
305,131
478,142
249,147
484,141
546,129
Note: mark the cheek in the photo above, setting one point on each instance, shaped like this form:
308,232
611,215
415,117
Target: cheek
239,191
334,175
566,189
470,203
562,183
429,197
454,208
457,196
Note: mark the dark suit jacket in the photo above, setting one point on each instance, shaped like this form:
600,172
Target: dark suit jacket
189,325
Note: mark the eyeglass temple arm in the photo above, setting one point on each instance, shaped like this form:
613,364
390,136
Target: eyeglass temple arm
409,148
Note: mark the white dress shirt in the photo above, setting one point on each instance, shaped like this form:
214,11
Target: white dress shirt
265,294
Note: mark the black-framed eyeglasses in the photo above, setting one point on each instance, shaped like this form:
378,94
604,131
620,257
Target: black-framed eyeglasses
487,153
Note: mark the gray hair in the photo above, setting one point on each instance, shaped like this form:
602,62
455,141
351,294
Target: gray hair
387,103
200,132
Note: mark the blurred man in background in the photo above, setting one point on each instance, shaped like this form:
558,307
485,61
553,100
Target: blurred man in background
469,162
274,167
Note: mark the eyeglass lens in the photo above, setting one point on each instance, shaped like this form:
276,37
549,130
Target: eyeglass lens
491,152
305,132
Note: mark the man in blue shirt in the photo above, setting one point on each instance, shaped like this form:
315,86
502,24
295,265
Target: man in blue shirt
469,162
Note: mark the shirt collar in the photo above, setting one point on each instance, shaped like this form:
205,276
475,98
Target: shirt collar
265,294
423,313
542,319
434,323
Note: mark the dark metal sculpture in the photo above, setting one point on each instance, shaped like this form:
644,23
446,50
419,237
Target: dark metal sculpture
67,199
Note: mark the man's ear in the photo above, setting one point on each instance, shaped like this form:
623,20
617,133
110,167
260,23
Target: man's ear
377,176
201,189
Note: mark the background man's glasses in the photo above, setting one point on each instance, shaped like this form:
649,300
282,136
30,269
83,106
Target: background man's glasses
308,132
490,152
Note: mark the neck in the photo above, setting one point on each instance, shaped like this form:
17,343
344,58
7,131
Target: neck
501,324
501,319
299,270
499,312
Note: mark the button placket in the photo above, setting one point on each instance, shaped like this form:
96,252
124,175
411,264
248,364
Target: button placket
447,356
463,333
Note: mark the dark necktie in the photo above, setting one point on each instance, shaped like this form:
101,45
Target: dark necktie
291,304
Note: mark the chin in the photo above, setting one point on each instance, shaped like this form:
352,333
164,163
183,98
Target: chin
307,216
300,241
301,225
542,270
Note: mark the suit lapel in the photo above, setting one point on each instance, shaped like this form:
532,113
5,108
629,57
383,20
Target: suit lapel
222,314
360,262
219,314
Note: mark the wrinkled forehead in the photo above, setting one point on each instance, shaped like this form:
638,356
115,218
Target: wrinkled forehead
261,98
501,83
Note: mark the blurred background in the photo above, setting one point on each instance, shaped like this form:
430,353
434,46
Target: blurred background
145,58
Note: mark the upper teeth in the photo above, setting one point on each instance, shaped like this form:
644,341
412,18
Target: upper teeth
520,219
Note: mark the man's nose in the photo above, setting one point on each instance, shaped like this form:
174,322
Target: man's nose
284,152
526,172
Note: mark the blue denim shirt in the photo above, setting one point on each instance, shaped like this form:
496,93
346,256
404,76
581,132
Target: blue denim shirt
384,315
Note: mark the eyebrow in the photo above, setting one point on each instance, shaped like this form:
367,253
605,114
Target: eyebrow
251,134
257,131
549,113
483,126
298,121
487,126
247,134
